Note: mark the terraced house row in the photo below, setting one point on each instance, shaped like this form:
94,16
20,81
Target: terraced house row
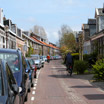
93,33
15,38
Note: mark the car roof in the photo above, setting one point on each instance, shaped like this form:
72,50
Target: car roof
9,50
28,58
34,55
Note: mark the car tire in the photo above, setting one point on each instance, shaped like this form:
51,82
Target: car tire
34,76
29,90
32,85
26,97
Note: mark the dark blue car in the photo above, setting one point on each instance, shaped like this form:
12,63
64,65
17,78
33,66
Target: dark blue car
17,64
9,91
31,74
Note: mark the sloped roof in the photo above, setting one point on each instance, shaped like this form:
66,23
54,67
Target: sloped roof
85,26
92,21
48,45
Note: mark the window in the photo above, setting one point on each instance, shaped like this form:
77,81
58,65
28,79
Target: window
1,84
3,40
10,76
3,46
12,59
24,65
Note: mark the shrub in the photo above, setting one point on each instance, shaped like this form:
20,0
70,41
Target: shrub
80,66
86,57
75,56
99,70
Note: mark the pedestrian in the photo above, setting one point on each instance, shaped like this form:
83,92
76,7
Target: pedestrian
48,58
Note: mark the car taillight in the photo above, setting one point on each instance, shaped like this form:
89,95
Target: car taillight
35,68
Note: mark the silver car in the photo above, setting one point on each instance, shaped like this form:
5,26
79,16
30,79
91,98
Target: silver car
37,61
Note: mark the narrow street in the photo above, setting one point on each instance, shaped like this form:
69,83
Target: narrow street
55,86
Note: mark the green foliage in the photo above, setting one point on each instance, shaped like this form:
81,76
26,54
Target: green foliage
75,56
80,66
68,40
30,51
86,57
99,70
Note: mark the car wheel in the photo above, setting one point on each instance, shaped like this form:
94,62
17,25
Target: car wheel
32,85
29,90
35,76
26,98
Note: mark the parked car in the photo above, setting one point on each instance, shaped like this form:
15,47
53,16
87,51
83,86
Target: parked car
37,61
58,57
34,68
17,64
31,75
9,90
45,58
42,60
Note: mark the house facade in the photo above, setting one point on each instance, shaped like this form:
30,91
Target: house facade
2,37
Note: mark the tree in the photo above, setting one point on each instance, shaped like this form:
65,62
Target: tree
30,51
65,29
81,42
39,30
68,40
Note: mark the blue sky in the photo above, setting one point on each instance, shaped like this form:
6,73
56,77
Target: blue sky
51,14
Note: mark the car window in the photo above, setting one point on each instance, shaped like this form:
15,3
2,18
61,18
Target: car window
12,59
0,81
35,57
10,76
24,65
31,62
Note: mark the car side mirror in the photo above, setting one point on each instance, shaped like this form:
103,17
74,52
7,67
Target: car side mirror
15,88
20,89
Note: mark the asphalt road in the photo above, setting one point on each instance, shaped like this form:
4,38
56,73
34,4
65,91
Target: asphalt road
55,86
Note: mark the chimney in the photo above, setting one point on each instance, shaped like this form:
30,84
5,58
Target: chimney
1,15
4,18
103,7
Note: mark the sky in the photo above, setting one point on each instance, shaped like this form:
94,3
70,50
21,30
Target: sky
50,14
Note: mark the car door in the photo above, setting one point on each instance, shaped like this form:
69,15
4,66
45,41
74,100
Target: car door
25,76
13,98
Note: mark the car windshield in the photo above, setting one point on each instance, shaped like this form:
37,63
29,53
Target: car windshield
35,57
12,59
31,62
0,81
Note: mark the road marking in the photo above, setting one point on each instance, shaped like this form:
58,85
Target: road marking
35,85
32,98
36,81
34,88
33,92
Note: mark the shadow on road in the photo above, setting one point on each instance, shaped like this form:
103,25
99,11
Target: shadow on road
95,96
59,76
83,87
